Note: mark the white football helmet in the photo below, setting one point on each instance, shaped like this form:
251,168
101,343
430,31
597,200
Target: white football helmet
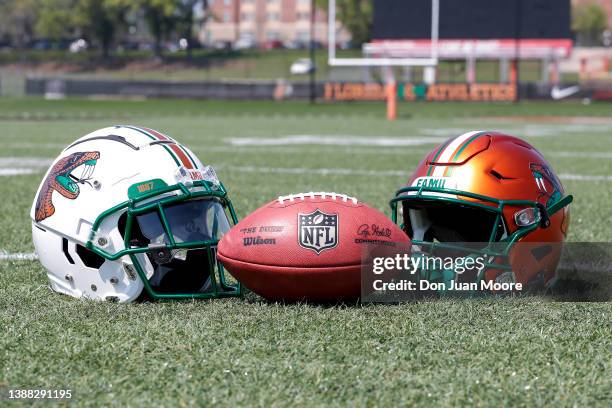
125,211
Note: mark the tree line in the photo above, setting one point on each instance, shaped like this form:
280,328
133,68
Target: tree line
104,22
101,22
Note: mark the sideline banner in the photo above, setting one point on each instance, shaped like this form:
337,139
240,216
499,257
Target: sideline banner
55,88
462,92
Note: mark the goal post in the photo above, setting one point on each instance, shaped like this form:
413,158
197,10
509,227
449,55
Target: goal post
382,56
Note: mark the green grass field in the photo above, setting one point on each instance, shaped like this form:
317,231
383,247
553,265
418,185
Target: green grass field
524,351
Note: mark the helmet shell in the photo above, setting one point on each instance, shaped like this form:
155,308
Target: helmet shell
501,167
89,177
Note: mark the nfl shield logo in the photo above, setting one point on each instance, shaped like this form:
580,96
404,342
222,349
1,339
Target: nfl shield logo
318,231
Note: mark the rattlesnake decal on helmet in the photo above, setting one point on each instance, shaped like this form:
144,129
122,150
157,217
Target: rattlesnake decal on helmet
61,179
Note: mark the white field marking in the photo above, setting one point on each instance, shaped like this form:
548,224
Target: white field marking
547,120
28,145
584,177
364,150
371,173
37,164
539,130
333,140
594,155
355,150
542,129
15,171
528,130
28,162
323,172
318,171
19,256
14,166
279,148
584,266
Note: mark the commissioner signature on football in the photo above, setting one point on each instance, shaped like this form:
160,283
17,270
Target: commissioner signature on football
373,230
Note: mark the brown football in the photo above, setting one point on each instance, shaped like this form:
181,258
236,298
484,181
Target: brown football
306,247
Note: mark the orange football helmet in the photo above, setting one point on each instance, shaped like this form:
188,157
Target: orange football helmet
491,194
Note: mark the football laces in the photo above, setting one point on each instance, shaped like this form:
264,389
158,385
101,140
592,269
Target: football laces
312,195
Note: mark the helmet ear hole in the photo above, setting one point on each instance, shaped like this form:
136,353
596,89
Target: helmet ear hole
65,250
89,258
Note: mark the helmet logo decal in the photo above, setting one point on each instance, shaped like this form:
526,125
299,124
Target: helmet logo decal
433,182
427,184
318,231
61,179
548,185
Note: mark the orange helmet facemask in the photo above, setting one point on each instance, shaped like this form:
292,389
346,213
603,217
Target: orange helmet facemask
491,195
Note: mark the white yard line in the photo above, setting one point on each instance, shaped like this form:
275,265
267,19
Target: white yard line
19,256
363,150
319,171
280,149
12,166
29,145
372,173
42,162
588,155
334,140
323,171
16,171
583,266
584,177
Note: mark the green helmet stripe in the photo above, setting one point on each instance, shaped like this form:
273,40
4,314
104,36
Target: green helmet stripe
438,155
178,163
461,149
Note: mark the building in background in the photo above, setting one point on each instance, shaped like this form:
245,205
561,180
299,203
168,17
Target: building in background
260,22
606,4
